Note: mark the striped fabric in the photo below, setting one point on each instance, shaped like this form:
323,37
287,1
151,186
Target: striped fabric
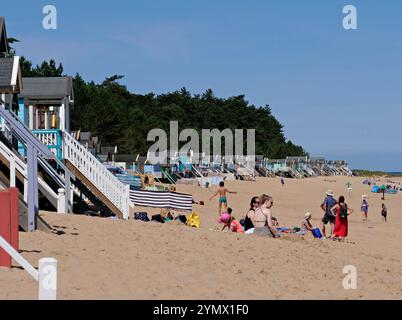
155,199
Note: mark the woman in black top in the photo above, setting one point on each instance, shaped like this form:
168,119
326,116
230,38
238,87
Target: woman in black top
248,223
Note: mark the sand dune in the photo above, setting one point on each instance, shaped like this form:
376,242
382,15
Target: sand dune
108,259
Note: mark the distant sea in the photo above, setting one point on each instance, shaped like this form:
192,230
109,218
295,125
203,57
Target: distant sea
395,173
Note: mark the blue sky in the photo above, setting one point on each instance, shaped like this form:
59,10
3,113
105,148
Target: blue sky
337,92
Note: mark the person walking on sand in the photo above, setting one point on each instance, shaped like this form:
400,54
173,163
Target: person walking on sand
364,208
384,212
282,181
326,206
262,221
383,188
349,187
342,212
223,200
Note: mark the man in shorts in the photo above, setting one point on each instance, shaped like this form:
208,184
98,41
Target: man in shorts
326,206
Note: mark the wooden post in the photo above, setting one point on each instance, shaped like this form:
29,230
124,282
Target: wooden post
46,120
12,172
33,202
47,279
5,227
31,117
62,115
14,218
9,223
61,201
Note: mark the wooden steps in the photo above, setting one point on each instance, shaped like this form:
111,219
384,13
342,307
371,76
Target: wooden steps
99,195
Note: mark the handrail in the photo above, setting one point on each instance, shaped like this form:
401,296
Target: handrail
46,276
22,132
20,259
21,166
110,186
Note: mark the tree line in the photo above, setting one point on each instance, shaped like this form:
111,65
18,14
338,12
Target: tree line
122,118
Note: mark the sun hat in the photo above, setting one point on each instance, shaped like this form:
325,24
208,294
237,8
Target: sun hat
330,193
225,218
307,215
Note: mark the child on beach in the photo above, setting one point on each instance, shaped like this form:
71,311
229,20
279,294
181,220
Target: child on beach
230,222
222,192
384,212
364,208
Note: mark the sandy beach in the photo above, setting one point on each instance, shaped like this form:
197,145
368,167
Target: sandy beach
115,259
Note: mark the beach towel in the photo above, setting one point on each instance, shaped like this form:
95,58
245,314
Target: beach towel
193,220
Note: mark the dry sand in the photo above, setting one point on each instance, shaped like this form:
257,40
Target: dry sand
107,259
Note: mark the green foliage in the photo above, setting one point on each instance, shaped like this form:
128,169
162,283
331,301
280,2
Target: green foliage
368,173
123,119
46,69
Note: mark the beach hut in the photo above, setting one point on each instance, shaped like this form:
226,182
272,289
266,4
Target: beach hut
47,101
44,107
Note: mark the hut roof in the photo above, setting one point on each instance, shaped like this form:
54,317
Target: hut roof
47,90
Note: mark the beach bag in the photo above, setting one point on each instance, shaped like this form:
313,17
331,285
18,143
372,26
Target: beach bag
317,233
141,216
193,220
343,212
158,218
182,219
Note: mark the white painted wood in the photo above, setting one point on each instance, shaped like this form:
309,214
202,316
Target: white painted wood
12,172
26,190
61,202
16,70
47,279
117,192
21,167
46,120
19,259
62,115
31,117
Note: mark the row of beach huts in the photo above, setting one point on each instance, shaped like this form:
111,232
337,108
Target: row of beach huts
190,168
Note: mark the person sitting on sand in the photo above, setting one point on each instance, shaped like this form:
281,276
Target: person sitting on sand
275,222
235,226
384,212
248,221
306,225
230,222
262,221
222,192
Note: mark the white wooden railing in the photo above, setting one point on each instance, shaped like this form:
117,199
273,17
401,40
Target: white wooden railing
111,187
16,164
46,276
